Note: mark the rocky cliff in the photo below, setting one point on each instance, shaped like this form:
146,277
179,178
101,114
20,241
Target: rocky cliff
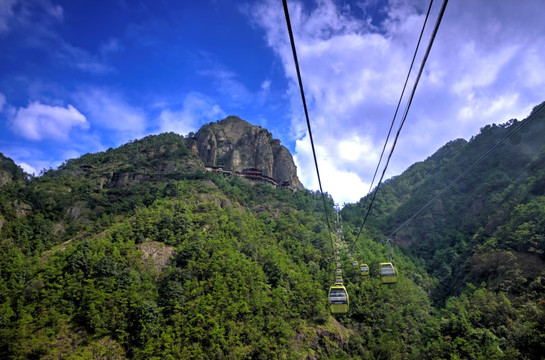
236,145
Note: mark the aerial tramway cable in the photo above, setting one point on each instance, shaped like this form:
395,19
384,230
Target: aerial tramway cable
428,50
338,296
401,96
292,41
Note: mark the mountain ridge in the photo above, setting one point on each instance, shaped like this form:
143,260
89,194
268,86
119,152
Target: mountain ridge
140,252
449,233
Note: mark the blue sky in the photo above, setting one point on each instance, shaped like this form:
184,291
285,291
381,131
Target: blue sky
84,76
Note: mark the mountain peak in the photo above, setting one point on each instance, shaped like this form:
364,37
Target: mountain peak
236,145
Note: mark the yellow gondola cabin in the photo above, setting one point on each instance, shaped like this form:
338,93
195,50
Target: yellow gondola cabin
388,273
338,299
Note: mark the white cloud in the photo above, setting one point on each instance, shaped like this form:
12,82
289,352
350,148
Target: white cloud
28,13
33,157
196,110
79,58
2,101
38,20
266,85
228,84
71,154
484,68
108,109
342,184
489,107
55,11
29,169
532,69
355,149
36,166
39,121
6,13
113,45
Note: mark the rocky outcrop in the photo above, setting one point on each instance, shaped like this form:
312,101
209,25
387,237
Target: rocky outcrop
237,145
156,255
21,209
5,177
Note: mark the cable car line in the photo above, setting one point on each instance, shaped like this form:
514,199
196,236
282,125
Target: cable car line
292,41
338,296
537,110
411,97
402,93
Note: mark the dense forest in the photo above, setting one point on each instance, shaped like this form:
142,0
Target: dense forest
139,252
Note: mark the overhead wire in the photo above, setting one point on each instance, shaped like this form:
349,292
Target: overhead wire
537,110
402,93
299,78
411,97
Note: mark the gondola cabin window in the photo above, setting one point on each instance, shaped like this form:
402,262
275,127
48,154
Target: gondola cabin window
337,296
387,270
338,299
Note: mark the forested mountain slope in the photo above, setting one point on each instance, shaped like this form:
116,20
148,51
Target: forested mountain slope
139,252
488,229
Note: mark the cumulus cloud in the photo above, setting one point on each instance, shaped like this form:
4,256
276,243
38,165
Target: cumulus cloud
196,109
39,121
483,69
109,110
338,181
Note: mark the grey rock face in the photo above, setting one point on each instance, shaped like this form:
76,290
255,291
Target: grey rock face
237,145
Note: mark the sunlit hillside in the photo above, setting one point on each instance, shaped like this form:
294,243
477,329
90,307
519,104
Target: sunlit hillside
146,252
